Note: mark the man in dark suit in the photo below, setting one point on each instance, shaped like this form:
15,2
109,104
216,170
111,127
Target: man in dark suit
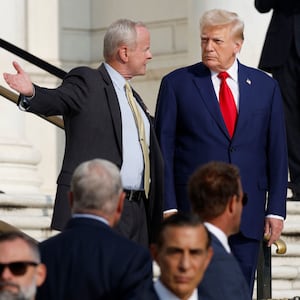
100,123
88,260
182,250
192,131
216,195
281,57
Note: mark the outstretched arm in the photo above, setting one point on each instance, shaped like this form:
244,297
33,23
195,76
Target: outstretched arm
20,82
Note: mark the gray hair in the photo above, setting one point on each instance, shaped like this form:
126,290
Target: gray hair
32,244
96,184
121,32
219,17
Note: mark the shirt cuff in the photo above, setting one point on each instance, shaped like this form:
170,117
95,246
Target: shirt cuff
173,210
275,217
24,104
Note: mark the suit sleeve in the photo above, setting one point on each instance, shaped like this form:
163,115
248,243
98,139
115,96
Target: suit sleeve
165,126
277,158
68,98
138,277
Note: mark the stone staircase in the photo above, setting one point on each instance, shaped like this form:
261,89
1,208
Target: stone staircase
32,214
286,267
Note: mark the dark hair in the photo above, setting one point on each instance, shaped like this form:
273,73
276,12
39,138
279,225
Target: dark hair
180,220
32,244
211,186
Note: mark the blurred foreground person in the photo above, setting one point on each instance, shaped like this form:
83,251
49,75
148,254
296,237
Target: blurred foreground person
88,259
183,252
21,270
217,196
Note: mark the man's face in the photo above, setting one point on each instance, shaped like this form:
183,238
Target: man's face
138,57
19,286
219,47
183,258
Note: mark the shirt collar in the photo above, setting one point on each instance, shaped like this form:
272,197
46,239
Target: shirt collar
117,79
90,216
232,71
221,236
164,293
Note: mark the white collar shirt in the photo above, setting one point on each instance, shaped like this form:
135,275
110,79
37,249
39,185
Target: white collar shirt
220,235
165,294
232,82
132,169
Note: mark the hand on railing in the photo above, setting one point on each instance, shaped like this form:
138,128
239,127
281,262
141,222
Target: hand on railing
8,94
280,245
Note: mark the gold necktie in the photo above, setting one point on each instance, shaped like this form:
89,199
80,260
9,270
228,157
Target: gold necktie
142,136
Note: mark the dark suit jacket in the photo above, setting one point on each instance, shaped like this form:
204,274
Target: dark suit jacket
223,279
88,260
284,29
92,118
192,132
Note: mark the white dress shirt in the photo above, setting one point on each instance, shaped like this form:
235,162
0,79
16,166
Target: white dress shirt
220,235
165,294
232,82
132,169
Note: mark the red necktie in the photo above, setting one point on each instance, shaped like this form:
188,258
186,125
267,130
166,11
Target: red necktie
227,104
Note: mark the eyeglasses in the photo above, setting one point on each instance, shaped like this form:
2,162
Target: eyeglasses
18,268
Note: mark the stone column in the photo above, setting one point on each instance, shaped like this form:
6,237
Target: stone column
18,158
23,204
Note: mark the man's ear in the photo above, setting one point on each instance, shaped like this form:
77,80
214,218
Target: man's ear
121,203
232,204
238,46
123,53
41,273
210,253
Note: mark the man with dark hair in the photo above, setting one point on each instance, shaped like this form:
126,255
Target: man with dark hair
217,196
183,252
21,270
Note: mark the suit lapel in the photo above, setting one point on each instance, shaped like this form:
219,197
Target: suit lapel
206,90
246,98
113,104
